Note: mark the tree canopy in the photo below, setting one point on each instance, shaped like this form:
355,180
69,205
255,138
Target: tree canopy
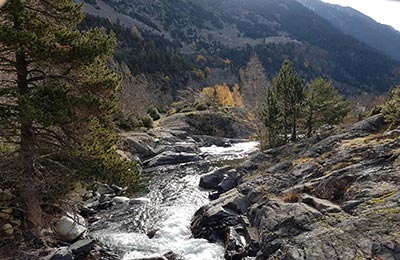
57,98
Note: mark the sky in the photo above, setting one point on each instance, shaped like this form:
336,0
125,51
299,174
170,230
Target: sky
383,11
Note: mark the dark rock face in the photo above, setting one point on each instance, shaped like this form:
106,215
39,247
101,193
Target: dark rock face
333,198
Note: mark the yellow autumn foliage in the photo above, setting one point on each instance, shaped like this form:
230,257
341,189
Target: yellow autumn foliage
237,97
221,95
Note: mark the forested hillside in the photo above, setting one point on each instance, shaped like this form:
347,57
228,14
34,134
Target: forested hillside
221,30
354,23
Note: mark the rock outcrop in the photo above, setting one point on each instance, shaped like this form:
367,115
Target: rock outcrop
336,197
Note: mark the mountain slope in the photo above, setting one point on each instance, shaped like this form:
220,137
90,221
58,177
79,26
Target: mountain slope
382,37
275,29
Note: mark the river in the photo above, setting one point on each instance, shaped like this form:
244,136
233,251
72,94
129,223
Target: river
166,209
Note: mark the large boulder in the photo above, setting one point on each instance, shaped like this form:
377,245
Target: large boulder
141,144
369,125
70,227
82,248
222,180
214,178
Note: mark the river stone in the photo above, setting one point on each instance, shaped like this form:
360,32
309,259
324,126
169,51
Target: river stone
120,200
184,147
16,222
7,211
228,182
82,247
62,254
70,227
104,189
8,229
141,145
4,216
213,179
159,257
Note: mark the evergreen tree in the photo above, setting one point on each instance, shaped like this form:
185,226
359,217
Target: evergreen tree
57,97
290,96
272,121
391,107
324,105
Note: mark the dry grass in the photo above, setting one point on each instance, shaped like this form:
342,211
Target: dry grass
370,140
340,165
291,198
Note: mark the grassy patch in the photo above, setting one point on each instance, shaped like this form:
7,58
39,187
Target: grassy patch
291,198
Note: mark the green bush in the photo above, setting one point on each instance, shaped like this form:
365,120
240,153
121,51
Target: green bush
147,122
154,114
129,123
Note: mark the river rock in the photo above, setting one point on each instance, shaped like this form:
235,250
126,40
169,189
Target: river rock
141,144
82,248
120,200
87,212
331,197
105,189
70,227
171,158
8,229
185,147
211,222
62,254
213,179
228,182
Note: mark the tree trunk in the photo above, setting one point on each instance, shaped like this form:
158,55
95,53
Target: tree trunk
27,144
294,128
310,122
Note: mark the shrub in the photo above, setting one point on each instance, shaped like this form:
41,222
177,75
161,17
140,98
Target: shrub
129,123
147,122
154,114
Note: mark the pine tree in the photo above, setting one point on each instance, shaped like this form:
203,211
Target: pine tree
324,105
272,121
290,95
57,97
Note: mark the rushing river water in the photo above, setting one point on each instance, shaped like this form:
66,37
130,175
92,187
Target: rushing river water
172,199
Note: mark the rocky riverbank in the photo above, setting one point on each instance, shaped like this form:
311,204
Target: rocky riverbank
334,197
176,140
